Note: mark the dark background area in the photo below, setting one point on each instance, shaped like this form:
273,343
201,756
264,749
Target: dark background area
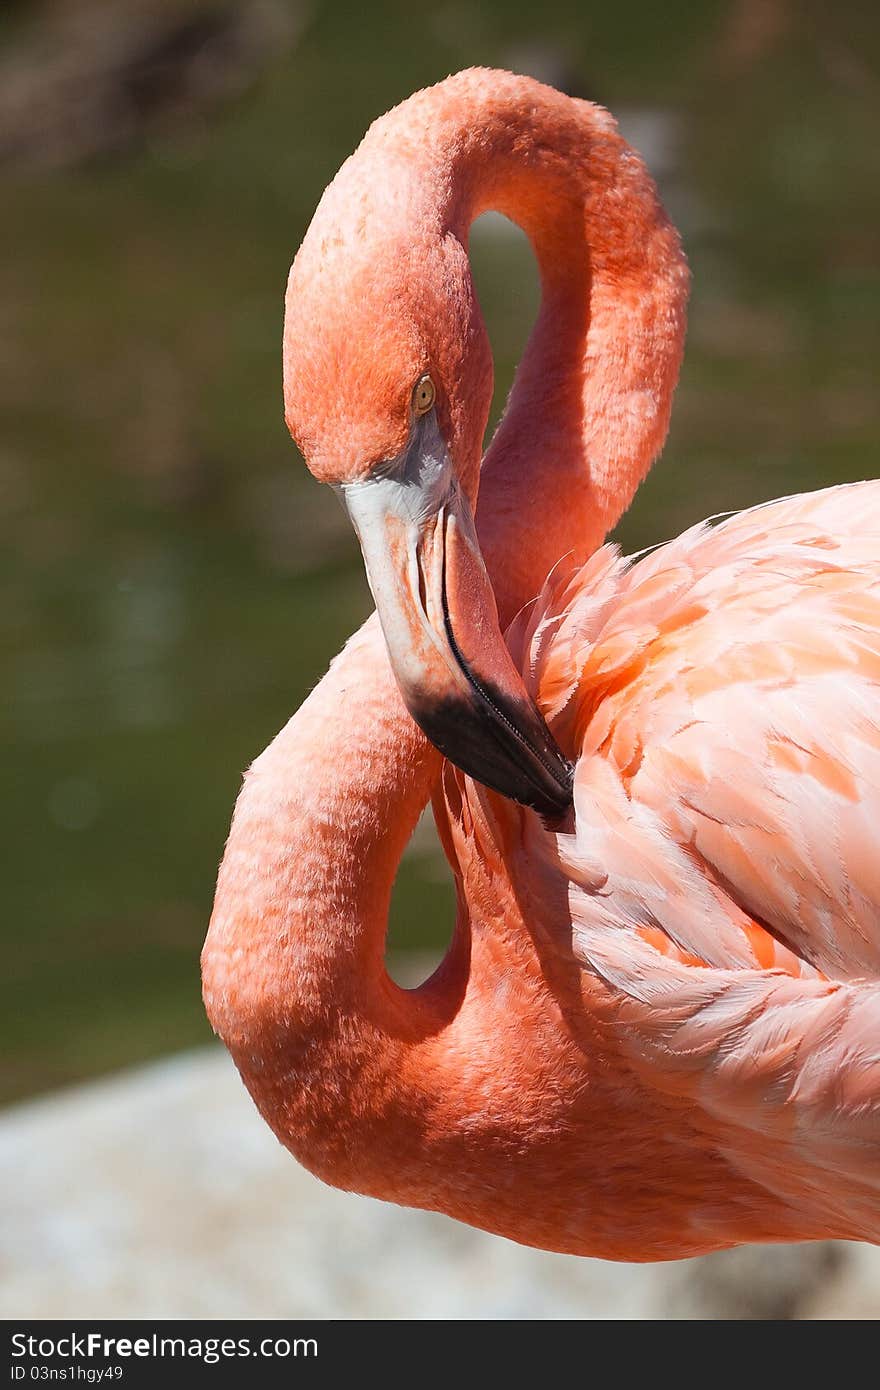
173,581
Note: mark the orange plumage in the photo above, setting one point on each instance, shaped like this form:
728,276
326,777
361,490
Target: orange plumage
657,1030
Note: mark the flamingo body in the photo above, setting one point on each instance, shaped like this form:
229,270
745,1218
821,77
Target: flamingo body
657,1029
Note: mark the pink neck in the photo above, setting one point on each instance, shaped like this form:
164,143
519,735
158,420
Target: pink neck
293,965
590,406
319,829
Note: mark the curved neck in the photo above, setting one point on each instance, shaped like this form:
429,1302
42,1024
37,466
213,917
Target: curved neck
319,828
589,409
293,971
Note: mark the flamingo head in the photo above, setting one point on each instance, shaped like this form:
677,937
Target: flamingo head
388,382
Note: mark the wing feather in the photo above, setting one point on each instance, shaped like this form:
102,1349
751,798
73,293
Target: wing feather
723,696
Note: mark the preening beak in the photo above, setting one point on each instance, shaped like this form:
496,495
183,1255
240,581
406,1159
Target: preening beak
441,625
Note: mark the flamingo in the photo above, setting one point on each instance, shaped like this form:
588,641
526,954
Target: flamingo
656,1030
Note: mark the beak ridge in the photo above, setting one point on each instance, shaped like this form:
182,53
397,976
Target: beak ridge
440,622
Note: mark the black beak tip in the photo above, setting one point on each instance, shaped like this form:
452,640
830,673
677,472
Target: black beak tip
471,734
554,805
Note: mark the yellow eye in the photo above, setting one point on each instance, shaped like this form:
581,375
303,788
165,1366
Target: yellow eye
424,395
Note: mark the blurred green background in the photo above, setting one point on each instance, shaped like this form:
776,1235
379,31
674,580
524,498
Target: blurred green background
173,582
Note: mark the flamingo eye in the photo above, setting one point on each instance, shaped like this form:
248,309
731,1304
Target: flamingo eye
424,395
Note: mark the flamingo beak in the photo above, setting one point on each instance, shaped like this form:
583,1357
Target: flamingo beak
440,622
